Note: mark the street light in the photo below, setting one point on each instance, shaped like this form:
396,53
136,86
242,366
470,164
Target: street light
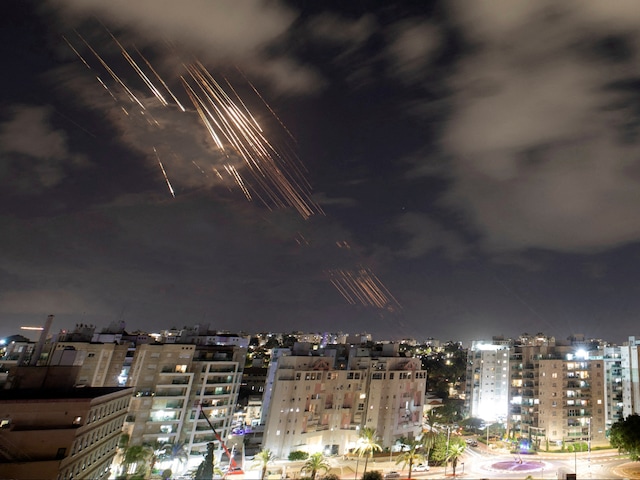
446,458
589,445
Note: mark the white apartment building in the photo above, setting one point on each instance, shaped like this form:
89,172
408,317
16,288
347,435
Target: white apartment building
312,406
613,373
630,364
176,386
487,389
547,390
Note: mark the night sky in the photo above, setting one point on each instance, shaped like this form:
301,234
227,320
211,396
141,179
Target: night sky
475,164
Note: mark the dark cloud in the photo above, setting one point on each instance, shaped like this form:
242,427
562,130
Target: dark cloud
537,157
480,159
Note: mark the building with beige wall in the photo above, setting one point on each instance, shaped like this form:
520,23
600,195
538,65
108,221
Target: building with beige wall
60,434
557,393
175,386
314,406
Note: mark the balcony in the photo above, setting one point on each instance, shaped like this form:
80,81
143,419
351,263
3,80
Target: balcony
170,393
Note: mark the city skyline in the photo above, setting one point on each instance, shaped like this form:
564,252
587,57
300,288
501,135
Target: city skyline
409,170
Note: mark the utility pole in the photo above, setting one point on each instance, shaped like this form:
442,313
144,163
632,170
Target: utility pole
589,446
446,460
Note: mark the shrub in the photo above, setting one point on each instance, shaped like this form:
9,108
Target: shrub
372,475
298,455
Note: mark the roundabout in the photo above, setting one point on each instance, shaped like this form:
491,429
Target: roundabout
519,466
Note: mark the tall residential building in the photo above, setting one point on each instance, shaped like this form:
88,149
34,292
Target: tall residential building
176,385
314,406
613,374
629,358
557,392
487,388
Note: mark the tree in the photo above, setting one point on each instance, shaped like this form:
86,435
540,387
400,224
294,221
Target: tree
373,475
428,441
206,468
314,463
455,452
442,447
136,458
176,453
298,455
412,456
625,436
472,424
432,417
367,445
403,441
262,459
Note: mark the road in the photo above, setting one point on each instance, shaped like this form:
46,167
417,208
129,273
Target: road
481,463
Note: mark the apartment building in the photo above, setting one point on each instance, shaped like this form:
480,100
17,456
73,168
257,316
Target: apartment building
613,374
313,406
101,364
60,434
557,393
487,380
630,364
177,387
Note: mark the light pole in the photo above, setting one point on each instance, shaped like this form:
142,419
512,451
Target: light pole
589,446
446,458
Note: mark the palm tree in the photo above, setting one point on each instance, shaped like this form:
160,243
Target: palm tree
262,459
138,455
367,445
428,441
412,456
176,453
455,452
314,463
431,418
403,441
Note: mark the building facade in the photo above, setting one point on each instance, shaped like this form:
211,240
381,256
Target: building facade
487,381
316,407
60,434
180,392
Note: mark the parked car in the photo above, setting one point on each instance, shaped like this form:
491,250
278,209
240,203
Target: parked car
422,467
392,476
